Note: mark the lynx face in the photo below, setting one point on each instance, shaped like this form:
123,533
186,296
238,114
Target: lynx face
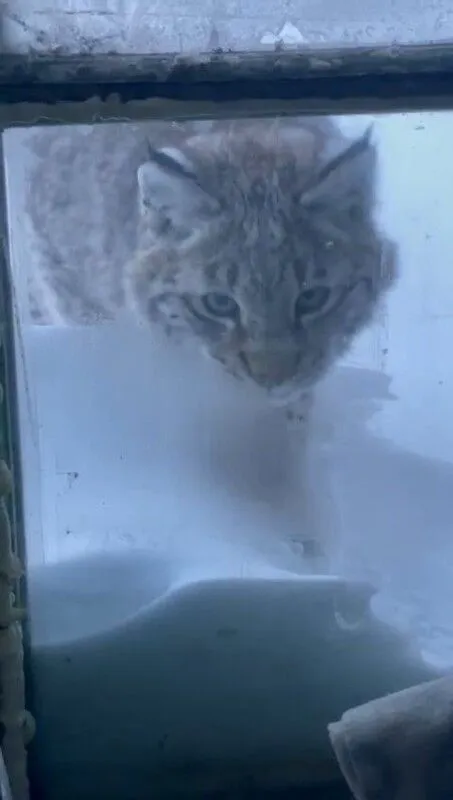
263,248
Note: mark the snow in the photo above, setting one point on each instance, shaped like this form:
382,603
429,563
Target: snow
162,591
216,682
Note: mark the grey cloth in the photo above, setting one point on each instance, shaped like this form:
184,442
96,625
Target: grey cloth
399,747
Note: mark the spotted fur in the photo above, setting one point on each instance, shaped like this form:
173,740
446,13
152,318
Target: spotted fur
259,213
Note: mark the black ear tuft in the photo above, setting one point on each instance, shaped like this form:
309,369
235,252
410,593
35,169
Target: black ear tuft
349,176
174,162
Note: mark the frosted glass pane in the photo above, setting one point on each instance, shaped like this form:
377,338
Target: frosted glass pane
204,542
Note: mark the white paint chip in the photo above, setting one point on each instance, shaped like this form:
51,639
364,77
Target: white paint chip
288,34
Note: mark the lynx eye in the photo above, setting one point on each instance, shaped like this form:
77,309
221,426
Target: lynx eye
311,300
219,305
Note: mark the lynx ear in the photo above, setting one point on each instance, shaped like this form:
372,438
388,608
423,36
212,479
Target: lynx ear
347,179
169,190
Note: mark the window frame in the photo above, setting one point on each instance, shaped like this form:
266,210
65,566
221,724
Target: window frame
56,88
42,89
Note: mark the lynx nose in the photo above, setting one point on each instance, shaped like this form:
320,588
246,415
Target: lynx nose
270,368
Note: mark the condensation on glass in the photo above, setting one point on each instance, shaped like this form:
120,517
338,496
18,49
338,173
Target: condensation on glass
101,26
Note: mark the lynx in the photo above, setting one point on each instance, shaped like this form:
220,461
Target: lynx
255,239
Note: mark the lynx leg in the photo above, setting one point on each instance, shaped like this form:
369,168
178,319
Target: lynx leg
313,504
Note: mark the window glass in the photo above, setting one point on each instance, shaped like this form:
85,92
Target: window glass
235,402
